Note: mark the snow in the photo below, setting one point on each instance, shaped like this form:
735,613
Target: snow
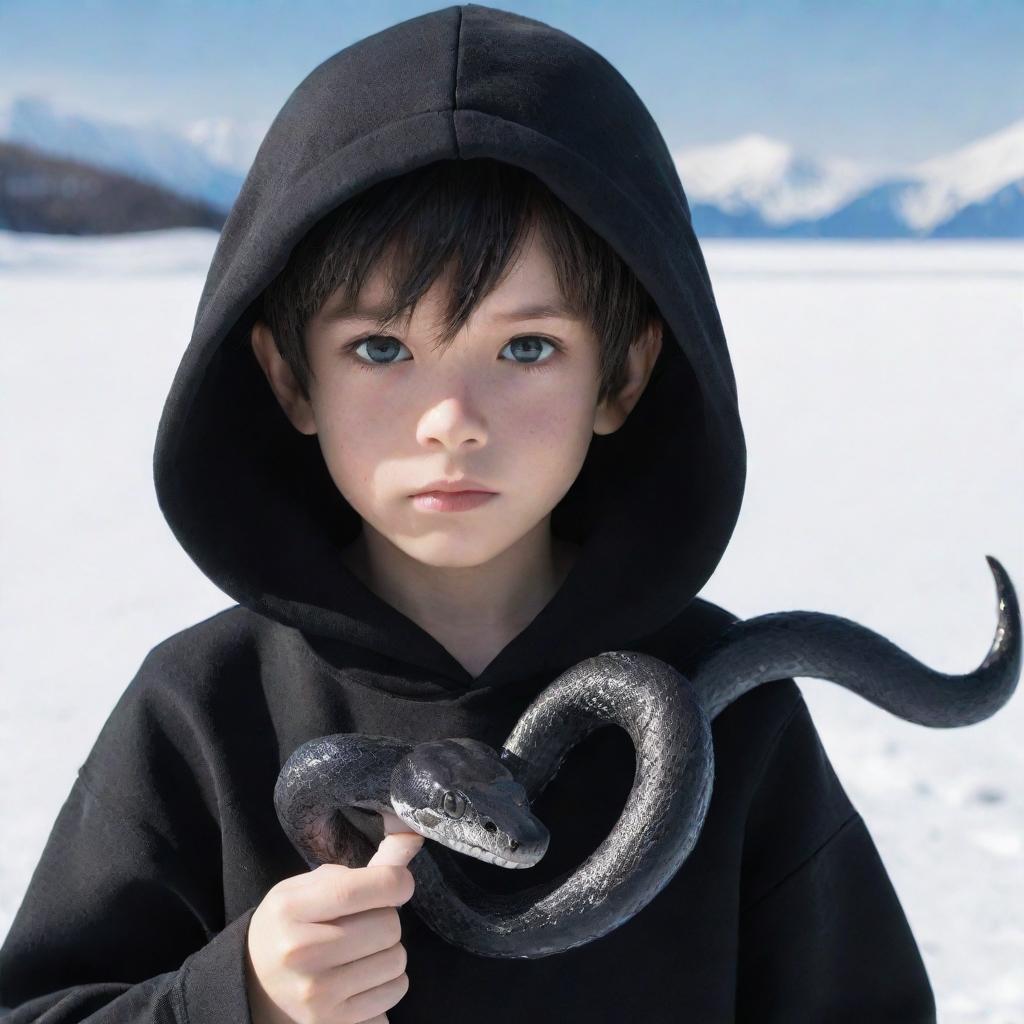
210,156
968,175
226,141
765,174
759,173
880,386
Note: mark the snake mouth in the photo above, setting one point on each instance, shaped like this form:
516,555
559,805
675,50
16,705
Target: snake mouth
424,821
480,853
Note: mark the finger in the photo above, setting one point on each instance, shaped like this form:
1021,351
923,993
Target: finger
365,973
393,823
333,890
383,997
397,848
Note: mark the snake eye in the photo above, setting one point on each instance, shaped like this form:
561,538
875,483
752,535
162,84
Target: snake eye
454,803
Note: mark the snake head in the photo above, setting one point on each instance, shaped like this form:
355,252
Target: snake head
457,792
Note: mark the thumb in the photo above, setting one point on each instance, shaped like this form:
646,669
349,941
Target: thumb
399,844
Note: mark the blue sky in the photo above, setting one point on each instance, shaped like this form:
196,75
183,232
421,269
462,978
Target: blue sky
888,81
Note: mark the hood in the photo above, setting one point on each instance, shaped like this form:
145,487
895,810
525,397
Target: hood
250,498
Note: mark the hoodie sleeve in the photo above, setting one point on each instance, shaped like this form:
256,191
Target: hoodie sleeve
108,929
120,922
822,933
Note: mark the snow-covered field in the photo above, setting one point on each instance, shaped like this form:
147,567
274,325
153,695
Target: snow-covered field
882,389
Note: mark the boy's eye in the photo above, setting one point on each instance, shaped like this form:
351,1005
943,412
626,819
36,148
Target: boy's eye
533,354
380,345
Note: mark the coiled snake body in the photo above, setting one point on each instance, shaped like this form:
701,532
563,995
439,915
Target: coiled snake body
474,800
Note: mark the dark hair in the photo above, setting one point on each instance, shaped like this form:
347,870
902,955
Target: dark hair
472,215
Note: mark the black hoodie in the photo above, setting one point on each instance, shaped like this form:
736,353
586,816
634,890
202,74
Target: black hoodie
138,908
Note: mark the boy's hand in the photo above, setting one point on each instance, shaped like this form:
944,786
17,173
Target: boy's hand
323,947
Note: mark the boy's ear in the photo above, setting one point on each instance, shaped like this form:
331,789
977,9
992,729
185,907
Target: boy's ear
282,380
611,413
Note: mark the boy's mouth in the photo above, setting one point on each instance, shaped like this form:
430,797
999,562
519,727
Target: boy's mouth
451,501
458,485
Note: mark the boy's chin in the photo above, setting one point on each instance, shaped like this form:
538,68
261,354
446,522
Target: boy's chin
457,558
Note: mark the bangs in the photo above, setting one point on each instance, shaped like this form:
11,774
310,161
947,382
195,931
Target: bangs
463,221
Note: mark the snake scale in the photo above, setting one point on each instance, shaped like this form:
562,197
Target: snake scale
474,800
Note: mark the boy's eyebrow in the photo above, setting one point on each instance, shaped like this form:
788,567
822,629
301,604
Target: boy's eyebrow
558,310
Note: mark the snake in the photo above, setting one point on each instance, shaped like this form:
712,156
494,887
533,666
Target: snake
475,801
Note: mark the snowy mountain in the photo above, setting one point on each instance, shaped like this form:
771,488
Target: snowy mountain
758,186
756,174
999,216
752,186
45,194
227,143
149,152
968,176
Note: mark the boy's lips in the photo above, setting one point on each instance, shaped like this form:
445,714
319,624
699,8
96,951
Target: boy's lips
461,485
451,501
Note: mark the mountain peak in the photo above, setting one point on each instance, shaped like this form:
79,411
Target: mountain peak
756,172
149,152
748,186
968,175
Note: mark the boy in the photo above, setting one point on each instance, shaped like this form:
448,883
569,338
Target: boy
415,192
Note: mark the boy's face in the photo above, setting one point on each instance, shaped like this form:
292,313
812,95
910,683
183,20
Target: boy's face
392,416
